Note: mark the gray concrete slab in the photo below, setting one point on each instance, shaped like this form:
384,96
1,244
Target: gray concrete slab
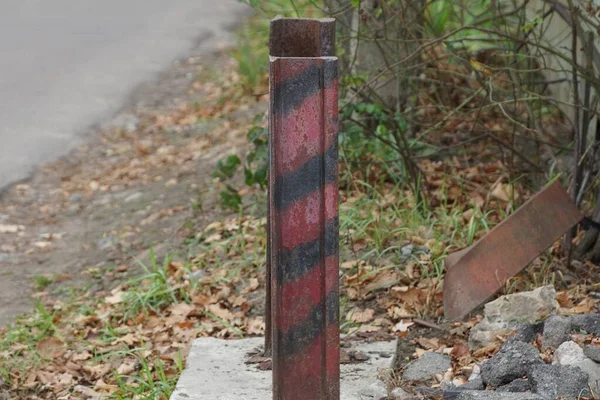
215,370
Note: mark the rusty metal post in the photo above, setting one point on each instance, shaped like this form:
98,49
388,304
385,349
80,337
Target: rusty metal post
302,266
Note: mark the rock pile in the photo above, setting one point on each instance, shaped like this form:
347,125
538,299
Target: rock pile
545,356
565,370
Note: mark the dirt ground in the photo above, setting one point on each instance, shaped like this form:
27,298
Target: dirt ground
143,181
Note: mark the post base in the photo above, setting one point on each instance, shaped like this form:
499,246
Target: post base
216,370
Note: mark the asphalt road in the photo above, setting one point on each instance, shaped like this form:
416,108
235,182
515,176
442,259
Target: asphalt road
66,65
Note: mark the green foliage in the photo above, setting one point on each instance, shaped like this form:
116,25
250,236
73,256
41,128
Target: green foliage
257,160
255,167
445,16
152,382
370,134
252,55
227,167
156,292
42,281
230,198
252,50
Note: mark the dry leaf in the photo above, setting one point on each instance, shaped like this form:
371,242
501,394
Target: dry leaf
564,300
11,228
403,326
585,306
368,328
116,298
410,296
417,240
349,264
429,343
253,285
127,367
201,299
256,326
220,312
504,192
50,347
129,339
460,350
383,280
361,316
97,371
89,393
85,355
399,312
181,309
352,293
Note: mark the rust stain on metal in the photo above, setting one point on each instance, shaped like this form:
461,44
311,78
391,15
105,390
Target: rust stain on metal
302,252
474,274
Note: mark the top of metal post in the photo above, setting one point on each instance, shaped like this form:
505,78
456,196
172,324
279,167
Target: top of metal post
300,37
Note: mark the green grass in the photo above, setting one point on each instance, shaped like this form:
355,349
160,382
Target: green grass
152,291
151,382
386,220
252,50
41,282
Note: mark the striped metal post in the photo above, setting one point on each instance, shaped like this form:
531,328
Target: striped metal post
302,266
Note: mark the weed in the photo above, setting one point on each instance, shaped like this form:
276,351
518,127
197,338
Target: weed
227,167
41,282
151,291
153,380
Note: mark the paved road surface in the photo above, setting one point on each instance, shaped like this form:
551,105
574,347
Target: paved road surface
67,64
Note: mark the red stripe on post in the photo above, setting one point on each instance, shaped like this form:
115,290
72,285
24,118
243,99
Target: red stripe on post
302,130
299,223
300,297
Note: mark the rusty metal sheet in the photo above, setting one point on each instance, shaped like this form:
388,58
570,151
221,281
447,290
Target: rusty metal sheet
474,274
302,265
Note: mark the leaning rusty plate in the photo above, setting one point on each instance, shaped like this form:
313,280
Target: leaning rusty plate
474,274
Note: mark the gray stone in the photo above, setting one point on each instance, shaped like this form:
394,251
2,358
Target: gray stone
557,330
485,333
569,353
447,385
510,363
407,250
452,394
75,197
513,311
375,391
429,392
196,275
105,243
126,122
133,197
426,367
474,384
589,323
73,209
517,386
216,370
476,373
489,395
526,332
528,307
592,352
398,394
554,381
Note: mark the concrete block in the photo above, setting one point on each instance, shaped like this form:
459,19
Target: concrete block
216,370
